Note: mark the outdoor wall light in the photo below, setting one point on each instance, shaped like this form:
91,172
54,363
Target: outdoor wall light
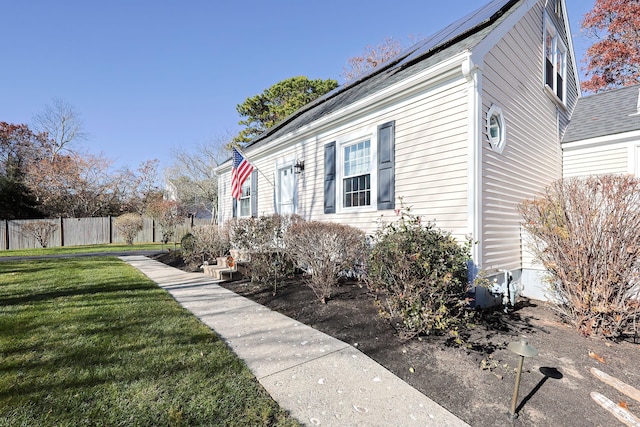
523,350
299,166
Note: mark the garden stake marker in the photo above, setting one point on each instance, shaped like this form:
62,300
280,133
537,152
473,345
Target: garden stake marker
620,411
522,349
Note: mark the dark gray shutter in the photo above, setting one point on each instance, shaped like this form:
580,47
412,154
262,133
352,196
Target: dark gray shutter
254,194
330,178
386,166
234,208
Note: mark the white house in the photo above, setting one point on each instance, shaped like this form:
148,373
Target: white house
604,134
461,127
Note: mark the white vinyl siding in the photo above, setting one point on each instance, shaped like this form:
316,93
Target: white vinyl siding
430,160
531,158
266,181
609,159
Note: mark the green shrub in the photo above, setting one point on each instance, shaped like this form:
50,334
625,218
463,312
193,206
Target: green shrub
586,232
326,250
188,242
418,274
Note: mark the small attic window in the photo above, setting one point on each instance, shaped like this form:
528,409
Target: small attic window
496,130
555,62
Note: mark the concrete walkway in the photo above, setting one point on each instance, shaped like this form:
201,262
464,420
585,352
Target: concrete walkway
317,378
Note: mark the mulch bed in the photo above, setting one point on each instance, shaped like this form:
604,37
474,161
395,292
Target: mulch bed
476,381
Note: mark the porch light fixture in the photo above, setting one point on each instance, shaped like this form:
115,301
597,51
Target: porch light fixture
299,166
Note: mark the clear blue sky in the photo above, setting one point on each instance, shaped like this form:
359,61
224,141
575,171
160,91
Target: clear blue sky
149,76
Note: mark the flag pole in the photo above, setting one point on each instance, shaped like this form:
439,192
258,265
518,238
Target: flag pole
255,167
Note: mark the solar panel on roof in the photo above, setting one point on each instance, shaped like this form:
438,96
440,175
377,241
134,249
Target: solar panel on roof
481,16
459,27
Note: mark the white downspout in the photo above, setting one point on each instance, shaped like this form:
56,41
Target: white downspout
473,74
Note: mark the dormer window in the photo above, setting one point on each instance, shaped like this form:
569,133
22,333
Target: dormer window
555,61
496,129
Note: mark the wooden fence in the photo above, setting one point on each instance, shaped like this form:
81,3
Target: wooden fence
84,231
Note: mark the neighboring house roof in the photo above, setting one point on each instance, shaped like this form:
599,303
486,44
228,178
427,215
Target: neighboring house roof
463,35
607,113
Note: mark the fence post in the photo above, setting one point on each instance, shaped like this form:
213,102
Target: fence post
6,234
61,232
110,229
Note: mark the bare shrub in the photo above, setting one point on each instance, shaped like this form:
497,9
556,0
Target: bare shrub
41,230
129,225
325,250
418,273
204,243
264,239
167,214
586,232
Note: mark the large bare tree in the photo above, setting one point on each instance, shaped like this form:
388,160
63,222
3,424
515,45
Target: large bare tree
191,180
62,124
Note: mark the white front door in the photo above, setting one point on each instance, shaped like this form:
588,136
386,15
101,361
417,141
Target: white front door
286,190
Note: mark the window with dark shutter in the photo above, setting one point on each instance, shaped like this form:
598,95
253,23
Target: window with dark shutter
330,178
356,174
386,166
254,194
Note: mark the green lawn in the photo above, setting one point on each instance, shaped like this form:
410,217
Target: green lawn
93,342
116,247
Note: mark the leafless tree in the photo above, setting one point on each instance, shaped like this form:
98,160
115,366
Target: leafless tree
191,179
40,230
62,124
371,58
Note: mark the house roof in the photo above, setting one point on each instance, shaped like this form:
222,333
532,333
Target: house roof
462,35
607,113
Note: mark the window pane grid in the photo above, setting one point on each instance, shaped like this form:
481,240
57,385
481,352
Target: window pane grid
555,62
357,191
357,177
357,158
245,199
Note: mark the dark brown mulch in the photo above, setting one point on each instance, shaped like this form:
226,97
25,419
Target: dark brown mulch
475,382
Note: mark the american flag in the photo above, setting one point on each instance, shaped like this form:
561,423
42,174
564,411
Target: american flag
241,170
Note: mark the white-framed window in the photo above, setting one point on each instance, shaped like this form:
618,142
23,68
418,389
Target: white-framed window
496,129
359,170
245,199
356,179
555,61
